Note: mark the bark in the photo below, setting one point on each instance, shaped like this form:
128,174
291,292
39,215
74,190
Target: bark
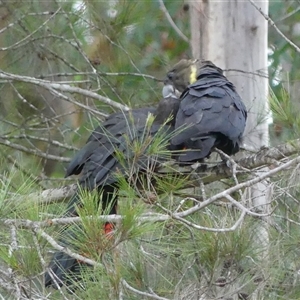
234,37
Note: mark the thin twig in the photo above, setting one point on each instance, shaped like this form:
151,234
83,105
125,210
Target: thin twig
49,85
242,185
288,15
66,250
79,49
172,23
45,13
199,227
144,294
258,73
271,22
19,42
233,166
43,76
43,263
38,153
40,139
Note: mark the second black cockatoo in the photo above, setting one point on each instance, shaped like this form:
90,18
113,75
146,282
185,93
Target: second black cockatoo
98,164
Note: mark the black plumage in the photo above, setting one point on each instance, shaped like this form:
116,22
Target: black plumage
211,114
97,163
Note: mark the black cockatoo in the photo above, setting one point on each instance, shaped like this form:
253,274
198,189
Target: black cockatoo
211,113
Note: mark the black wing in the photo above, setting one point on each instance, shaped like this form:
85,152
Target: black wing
106,133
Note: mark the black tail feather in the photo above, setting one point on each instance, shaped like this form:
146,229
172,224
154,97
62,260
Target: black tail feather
61,267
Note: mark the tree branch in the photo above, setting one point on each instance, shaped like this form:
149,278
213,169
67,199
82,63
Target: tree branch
153,217
208,173
271,22
148,295
235,188
38,153
172,23
65,88
66,250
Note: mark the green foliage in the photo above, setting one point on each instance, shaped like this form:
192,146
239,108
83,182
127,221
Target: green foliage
87,47
284,65
89,236
285,114
84,46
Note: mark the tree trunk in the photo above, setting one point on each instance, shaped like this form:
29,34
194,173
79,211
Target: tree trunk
233,35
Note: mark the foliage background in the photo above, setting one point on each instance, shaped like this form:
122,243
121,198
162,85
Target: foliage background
120,50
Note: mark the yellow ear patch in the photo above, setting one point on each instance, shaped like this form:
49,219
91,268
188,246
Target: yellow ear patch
193,74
